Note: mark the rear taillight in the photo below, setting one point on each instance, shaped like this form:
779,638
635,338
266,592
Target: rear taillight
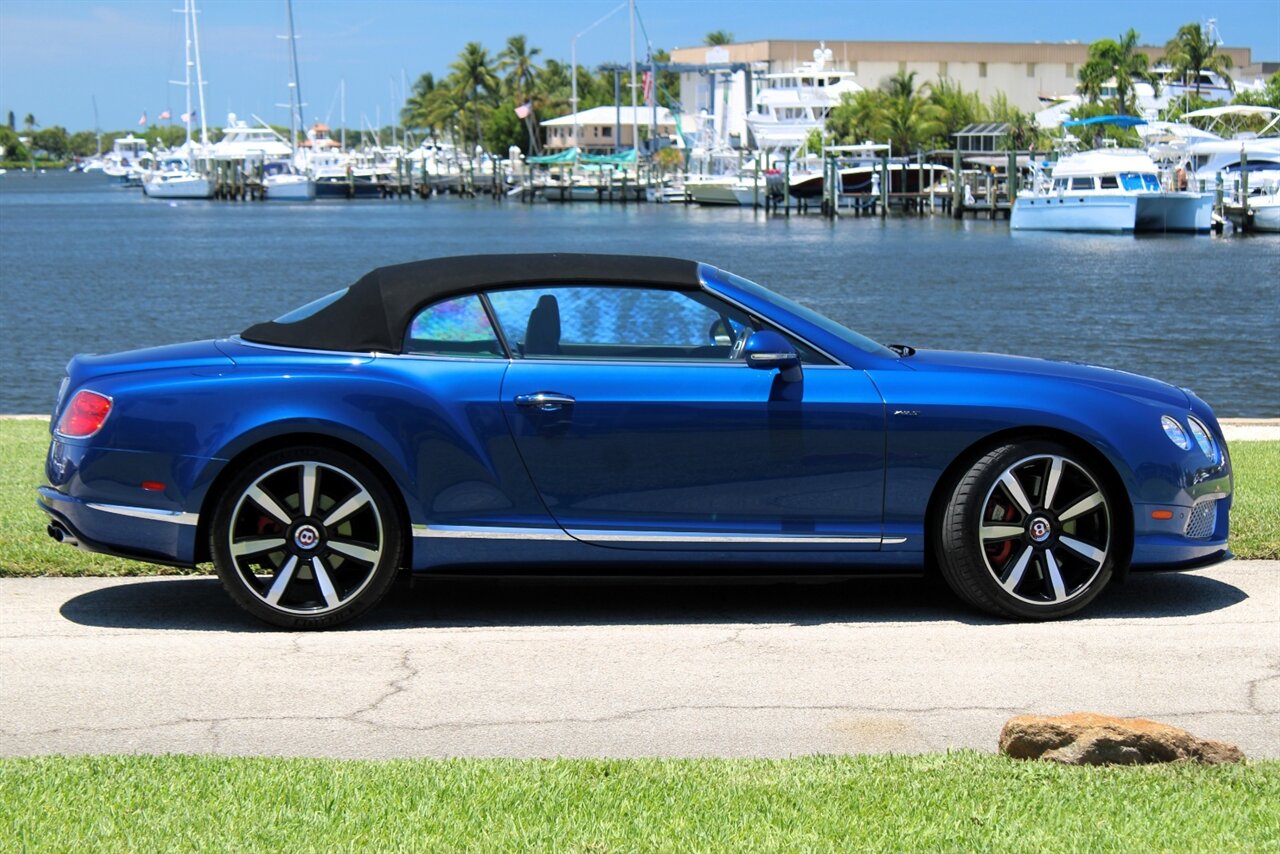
84,415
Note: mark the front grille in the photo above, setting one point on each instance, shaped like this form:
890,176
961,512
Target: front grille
1200,522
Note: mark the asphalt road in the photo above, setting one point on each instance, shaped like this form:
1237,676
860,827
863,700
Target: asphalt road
624,668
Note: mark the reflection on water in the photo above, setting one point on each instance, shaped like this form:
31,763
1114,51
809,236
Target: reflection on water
89,268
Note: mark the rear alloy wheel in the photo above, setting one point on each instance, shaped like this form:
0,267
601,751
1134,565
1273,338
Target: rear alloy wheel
1029,533
306,538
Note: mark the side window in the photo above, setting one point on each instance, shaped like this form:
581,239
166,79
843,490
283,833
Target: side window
626,323
453,327
1109,182
1081,183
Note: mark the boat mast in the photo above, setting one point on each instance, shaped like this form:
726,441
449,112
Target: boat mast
342,111
186,81
295,88
635,123
195,36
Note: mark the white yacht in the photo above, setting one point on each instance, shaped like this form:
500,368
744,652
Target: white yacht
127,160
281,183
1109,189
175,179
790,104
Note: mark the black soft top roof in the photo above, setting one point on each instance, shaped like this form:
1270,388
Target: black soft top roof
374,312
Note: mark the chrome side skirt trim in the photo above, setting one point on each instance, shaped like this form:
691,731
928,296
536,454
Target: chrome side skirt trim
481,532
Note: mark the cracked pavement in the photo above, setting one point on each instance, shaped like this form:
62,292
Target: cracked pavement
503,667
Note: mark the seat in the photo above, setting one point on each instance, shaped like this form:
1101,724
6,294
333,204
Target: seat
542,336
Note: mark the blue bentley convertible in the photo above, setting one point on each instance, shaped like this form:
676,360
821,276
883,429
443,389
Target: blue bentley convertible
572,412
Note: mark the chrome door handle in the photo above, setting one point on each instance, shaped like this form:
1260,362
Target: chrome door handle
545,401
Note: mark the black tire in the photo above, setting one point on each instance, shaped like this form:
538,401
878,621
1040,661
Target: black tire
306,538
1005,549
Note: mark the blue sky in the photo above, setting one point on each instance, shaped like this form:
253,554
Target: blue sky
58,55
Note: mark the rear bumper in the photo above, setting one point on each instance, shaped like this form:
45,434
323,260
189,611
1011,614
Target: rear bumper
136,533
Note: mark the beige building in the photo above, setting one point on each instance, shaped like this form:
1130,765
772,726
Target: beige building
599,127
1025,72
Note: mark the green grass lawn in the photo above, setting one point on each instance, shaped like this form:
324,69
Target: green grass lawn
26,550
951,802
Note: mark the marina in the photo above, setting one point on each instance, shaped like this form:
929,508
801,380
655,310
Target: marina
192,269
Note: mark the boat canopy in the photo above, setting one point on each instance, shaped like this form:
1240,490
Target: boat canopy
572,155
569,155
1118,121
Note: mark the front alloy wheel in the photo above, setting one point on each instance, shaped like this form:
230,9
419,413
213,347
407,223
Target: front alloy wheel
306,538
1028,533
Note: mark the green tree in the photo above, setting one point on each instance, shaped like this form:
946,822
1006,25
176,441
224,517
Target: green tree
29,122
1120,61
417,107
718,37
476,83
1189,53
503,129
955,108
853,120
14,150
520,82
906,118
84,143
1269,96
54,141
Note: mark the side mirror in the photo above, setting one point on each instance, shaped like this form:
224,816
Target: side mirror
767,350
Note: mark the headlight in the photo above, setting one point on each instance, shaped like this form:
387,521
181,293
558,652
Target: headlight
1203,437
1174,431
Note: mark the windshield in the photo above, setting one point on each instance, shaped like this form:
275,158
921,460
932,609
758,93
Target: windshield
808,315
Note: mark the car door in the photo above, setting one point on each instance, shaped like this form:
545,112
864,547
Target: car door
642,427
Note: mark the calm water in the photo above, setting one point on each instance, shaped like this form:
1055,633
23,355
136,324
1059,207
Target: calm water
85,267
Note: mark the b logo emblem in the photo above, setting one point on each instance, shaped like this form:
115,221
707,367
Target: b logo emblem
306,537
1039,530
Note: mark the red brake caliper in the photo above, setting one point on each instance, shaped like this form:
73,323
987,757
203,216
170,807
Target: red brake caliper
999,553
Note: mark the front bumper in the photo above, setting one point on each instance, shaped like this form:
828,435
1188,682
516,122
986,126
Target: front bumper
137,533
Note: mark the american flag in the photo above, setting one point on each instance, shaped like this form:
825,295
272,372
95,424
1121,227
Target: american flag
142,122
647,87
522,111
189,117
165,116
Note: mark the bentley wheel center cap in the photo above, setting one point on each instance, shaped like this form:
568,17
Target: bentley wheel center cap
1039,529
306,537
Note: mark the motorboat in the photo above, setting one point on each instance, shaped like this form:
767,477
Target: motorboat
790,104
127,161
281,183
176,179
1109,189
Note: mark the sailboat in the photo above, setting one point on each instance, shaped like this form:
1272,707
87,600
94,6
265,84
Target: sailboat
180,180
280,181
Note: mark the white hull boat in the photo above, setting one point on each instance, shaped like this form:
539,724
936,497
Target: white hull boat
1115,190
177,185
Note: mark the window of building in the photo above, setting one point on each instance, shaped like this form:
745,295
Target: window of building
902,68
982,69
942,70
1031,69
608,132
1071,70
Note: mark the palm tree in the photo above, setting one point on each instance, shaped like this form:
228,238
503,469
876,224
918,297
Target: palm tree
718,37
30,122
906,117
416,106
476,83
956,108
517,60
1118,60
1189,52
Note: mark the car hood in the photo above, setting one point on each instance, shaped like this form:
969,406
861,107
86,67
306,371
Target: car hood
1109,379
